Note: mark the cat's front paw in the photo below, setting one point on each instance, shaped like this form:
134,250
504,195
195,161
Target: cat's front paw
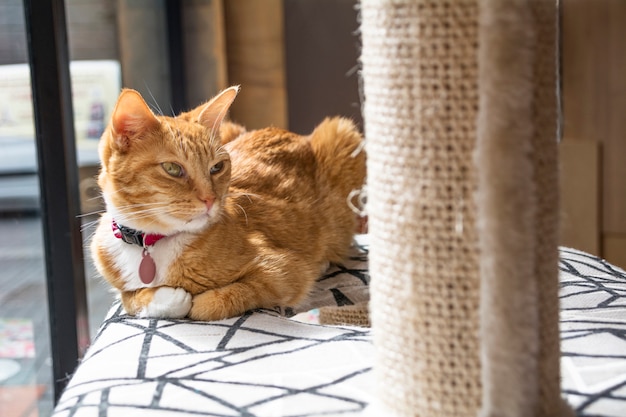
213,305
167,302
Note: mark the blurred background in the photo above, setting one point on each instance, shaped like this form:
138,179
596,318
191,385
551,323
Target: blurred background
297,62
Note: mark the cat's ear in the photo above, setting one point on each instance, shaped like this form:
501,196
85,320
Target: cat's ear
212,113
131,117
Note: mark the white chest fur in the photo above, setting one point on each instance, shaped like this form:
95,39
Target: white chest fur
127,257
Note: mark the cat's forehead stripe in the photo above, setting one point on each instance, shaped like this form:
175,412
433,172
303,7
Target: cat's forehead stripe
193,139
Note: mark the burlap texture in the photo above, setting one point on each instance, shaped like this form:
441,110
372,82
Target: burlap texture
354,315
421,64
421,98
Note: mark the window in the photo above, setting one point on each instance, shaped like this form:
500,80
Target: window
27,383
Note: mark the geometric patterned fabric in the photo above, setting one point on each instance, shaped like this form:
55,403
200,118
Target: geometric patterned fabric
259,364
593,334
264,364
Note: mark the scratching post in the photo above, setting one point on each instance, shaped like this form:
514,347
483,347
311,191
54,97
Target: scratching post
517,201
460,121
421,100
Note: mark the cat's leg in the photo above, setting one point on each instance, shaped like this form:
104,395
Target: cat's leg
159,302
225,302
282,280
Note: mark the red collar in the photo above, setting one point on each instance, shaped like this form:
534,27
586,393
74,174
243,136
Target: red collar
133,236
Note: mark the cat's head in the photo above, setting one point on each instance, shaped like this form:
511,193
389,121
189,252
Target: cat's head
165,174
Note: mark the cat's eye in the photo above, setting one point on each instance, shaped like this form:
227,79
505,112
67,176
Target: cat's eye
173,169
217,168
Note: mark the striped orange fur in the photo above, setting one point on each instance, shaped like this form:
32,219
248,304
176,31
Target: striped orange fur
251,218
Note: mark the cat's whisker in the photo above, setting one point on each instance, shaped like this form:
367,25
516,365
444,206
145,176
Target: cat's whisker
137,205
92,223
221,151
91,213
242,194
126,217
144,206
244,212
215,129
136,216
117,191
156,104
153,213
212,138
170,130
174,136
88,226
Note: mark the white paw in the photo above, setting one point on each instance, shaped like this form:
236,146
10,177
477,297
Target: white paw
168,302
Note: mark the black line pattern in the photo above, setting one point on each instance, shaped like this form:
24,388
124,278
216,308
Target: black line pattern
259,364
254,365
593,334
263,364
345,284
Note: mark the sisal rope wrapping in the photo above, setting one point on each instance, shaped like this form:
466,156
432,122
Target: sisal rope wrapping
419,73
351,315
423,62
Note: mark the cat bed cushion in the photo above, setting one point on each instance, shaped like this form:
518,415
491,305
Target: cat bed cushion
265,364
593,334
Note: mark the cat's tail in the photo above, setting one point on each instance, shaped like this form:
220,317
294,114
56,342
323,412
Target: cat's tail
340,155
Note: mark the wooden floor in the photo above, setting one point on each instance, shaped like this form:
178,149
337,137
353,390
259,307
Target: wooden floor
25,366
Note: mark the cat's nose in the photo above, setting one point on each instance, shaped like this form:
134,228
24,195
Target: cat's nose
208,202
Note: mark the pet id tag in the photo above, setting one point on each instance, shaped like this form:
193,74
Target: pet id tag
147,268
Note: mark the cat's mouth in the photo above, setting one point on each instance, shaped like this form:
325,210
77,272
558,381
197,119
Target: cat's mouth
204,217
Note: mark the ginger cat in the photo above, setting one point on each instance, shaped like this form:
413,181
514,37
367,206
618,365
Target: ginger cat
205,220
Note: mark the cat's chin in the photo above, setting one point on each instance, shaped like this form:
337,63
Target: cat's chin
169,225
200,221
197,224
